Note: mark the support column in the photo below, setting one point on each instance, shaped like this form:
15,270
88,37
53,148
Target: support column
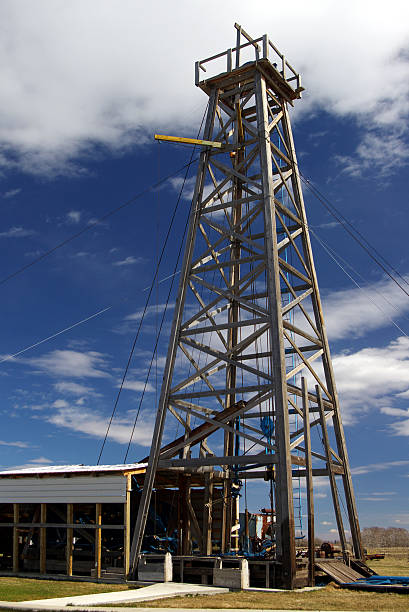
127,524
186,520
284,490
331,474
208,514
43,540
16,517
98,539
309,484
69,543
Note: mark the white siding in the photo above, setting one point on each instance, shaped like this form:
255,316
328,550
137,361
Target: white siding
77,489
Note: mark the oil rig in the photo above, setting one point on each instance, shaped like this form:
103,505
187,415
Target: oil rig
248,392
248,380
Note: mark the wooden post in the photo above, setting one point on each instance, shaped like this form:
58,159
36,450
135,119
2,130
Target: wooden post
127,524
208,514
285,533
16,512
247,531
69,544
43,540
187,535
98,521
180,521
309,484
331,474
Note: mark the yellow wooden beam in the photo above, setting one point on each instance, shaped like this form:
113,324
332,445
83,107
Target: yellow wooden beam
193,141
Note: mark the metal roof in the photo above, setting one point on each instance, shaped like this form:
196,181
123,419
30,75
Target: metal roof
71,469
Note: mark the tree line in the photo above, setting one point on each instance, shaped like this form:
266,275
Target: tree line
385,537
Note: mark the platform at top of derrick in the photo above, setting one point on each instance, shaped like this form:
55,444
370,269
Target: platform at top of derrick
239,67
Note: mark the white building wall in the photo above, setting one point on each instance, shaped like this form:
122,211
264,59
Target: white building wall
72,490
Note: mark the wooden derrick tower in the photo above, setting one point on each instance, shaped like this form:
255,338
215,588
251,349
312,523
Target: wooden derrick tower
248,385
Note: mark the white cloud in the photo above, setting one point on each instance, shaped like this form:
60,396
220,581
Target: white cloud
128,261
32,463
374,499
395,411
376,467
352,312
60,404
400,428
188,186
373,377
73,388
11,193
71,364
16,444
137,385
74,216
16,232
379,151
150,311
91,423
65,88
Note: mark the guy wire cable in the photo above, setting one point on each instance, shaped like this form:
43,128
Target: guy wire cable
187,166
90,226
345,224
333,257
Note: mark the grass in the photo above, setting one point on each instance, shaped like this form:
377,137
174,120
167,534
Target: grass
396,562
329,598
23,589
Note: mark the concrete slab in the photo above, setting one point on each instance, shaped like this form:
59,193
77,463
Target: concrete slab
155,591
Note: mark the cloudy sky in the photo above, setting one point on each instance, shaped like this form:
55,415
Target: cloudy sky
84,86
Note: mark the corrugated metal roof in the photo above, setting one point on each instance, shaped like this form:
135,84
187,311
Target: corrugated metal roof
66,469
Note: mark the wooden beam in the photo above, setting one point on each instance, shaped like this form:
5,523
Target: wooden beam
193,141
334,489
69,543
98,521
208,514
284,503
43,540
127,522
16,512
309,484
194,522
199,433
259,459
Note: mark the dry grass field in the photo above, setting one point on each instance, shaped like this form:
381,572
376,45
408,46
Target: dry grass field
396,563
24,589
329,598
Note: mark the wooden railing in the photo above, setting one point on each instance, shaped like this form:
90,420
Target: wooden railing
263,48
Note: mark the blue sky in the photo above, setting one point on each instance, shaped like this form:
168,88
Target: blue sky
83,92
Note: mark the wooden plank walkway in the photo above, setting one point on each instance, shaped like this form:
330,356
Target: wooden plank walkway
338,571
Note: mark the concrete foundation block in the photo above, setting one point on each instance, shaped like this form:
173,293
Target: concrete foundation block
155,568
232,577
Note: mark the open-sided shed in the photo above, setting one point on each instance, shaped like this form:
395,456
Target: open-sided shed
67,519
79,519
